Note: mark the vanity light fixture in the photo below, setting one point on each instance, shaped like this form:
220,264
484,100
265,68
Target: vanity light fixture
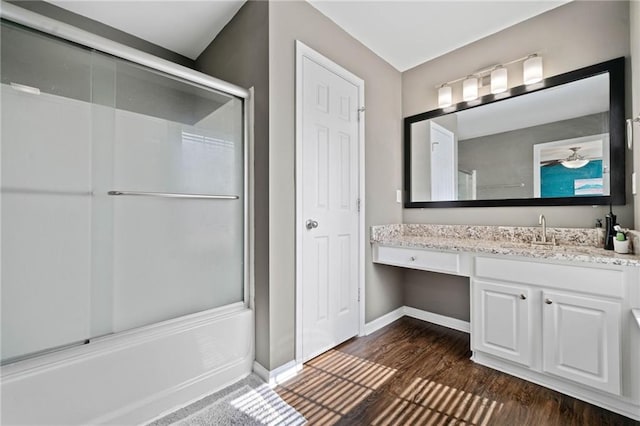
498,74
470,88
532,69
499,80
444,96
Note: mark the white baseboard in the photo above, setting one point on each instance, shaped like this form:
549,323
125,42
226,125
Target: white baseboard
427,316
438,319
278,375
383,321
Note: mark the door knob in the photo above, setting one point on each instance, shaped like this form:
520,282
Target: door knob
523,297
311,224
548,301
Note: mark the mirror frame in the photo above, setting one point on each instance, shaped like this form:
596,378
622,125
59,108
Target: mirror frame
614,67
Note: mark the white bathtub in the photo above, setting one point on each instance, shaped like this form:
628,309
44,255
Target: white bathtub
134,376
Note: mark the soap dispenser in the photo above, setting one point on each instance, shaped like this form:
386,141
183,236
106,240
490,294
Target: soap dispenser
610,233
599,234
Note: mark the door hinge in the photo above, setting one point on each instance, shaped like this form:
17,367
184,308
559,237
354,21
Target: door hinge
361,109
358,204
358,294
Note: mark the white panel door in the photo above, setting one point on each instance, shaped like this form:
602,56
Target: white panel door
581,340
329,162
443,164
502,321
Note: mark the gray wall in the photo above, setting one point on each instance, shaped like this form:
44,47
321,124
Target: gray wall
288,21
240,55
442,294
572,36
499,161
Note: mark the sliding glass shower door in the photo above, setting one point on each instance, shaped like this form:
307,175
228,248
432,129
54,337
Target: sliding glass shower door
122,195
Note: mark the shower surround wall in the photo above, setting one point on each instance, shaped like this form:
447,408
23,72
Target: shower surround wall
102,292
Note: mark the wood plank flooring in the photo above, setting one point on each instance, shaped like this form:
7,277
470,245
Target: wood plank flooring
415,373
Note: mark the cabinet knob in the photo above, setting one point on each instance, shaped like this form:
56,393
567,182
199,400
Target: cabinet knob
412,258
523,297
548,301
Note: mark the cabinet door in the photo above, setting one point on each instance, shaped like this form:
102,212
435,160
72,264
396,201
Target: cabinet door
581,340
502,321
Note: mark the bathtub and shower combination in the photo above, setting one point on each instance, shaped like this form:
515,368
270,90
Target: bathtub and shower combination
124,229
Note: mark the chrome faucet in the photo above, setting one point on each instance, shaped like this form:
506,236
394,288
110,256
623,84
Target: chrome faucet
543,238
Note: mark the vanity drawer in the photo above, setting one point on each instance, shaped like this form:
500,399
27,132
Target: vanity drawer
427,260
600,281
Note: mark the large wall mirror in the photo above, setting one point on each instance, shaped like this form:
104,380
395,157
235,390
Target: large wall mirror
557,142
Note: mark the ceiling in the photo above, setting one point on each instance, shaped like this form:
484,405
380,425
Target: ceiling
185,27
576,99
404,33
408,33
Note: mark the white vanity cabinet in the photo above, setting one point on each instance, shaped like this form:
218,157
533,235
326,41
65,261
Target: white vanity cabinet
559,320
581,339
566,320
424,259
502,321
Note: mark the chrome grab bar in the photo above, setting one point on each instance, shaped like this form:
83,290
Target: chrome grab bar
174,195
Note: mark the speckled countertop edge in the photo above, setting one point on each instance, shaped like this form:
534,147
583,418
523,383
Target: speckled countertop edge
576,244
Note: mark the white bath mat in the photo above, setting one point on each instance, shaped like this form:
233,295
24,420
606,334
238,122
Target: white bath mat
248,402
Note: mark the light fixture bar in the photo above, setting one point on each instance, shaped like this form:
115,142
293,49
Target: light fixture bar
486,71
532,72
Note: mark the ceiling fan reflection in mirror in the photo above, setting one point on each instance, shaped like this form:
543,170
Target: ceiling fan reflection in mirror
573,161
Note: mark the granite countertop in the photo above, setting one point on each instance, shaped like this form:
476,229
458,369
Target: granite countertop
574,244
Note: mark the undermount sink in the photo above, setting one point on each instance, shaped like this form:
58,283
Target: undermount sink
512,245
556,247
530,245
545,244
548,246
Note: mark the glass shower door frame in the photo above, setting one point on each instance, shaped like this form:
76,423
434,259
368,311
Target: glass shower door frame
60,30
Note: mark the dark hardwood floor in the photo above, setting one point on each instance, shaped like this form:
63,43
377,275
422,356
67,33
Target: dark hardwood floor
416,373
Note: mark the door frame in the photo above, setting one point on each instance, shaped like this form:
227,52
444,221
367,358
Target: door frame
440,128
304,51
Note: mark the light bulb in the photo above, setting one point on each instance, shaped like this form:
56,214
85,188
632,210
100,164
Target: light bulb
444,96
499,80
470,88
532,69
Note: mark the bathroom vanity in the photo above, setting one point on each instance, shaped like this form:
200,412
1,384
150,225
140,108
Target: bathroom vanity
563,316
